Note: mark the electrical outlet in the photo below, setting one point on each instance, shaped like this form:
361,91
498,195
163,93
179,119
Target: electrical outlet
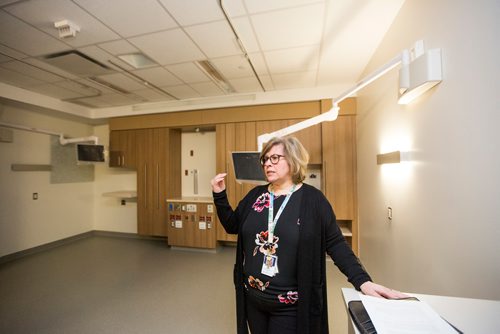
35,196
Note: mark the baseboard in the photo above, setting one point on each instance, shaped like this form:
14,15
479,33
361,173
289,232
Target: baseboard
44,247
61,242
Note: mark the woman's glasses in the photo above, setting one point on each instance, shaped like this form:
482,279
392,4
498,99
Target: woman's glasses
275,158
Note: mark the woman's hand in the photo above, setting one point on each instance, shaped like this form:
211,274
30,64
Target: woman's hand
218,183
377,290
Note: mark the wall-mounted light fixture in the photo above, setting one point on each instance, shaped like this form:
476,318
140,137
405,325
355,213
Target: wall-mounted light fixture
419,75
389,158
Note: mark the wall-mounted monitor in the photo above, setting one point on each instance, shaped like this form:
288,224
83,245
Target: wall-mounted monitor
88,153
247,167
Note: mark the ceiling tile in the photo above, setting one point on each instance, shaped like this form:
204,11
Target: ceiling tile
289,28
6,51
193,11
293,60
31,71
98,54
118,47
21,37
95,102
120,100
233,67
294,80
49,68
158,76
122,81
245,32
55,91
43,13
188,72
98,87
224,45
181,92
80,88
207,88
18,79
168,47
136,17
255,6
259,63
151,95
246,85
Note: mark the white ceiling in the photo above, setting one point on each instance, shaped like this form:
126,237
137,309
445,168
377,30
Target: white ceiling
292,44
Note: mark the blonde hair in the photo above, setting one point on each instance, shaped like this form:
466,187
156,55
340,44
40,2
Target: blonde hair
295,154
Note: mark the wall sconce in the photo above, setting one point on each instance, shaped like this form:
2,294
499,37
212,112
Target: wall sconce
419,75
389,158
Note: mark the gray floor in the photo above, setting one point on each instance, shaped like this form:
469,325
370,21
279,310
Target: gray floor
122,285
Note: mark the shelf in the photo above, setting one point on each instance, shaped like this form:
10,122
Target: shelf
121,194
346,232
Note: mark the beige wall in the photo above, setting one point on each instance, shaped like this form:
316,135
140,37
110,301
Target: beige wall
444,236
109,214
62,210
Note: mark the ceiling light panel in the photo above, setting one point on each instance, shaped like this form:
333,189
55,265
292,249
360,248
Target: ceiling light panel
153,16
180,48
137,60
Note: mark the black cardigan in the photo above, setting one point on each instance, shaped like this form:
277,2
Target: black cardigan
319,234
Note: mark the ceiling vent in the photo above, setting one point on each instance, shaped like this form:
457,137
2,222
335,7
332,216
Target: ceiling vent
66,28
75,62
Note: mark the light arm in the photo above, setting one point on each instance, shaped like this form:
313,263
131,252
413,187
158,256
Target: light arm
332,114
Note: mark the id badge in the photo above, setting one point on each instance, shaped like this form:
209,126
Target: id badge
270,265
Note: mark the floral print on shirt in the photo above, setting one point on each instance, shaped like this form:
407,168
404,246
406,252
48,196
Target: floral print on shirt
265,247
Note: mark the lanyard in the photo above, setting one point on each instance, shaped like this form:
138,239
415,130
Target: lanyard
271,223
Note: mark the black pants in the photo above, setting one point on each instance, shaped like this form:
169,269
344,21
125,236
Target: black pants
265,317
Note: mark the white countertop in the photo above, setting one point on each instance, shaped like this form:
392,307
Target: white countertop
467,314
121,194
191,199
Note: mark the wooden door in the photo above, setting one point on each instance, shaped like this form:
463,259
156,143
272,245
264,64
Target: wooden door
145,182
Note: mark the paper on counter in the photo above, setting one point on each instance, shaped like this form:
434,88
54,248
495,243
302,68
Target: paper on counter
404,317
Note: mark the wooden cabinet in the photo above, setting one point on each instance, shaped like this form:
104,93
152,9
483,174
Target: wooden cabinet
191,223
233,137
158,177
339,173
122,152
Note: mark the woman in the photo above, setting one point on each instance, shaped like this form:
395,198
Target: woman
284,230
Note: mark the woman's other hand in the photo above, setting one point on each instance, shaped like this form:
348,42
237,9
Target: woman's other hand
377,290
218,183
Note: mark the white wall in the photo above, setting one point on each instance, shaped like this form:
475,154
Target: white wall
203,145
445,232
62,210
